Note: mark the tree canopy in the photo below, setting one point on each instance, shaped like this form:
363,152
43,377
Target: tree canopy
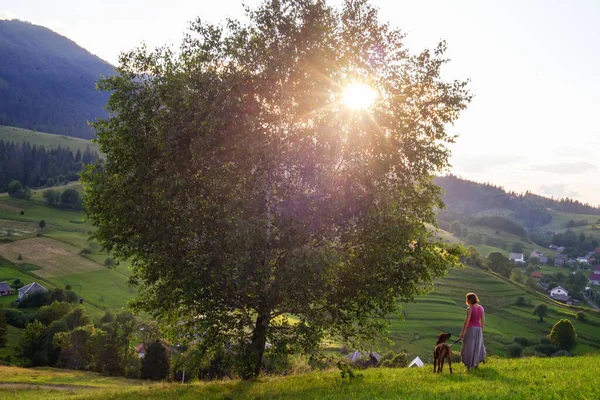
245,190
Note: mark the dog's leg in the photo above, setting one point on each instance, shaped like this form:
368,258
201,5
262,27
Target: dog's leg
450,360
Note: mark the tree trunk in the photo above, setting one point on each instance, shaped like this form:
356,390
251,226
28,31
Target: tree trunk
257,346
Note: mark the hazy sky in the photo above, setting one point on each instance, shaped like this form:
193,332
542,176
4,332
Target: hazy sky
534,68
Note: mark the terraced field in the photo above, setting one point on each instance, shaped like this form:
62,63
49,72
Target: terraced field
444,311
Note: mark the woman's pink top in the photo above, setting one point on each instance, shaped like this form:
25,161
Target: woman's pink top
476,314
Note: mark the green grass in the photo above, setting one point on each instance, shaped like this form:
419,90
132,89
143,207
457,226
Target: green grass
48,140
527,378
560,219
444,311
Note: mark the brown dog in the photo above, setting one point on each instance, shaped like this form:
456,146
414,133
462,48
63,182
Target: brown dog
442,351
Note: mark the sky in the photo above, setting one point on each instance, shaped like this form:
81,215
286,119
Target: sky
533,67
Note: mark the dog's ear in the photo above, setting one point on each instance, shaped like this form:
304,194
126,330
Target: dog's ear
449,335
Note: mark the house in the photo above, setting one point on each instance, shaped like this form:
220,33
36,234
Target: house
560,249
543,260
5,289
537,254
559,262
536,274
595,278
517,258
31,289
553,247
582,260
559,292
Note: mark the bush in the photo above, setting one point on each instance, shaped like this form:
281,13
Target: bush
276,362
400,360
35,300
546,349
456,357
521,301
563,334
16,318
521,340
561,353
155,364
514,350
580,316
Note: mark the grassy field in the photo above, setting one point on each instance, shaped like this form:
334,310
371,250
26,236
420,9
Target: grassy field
526,378
444,311
52,257
560,219
48,140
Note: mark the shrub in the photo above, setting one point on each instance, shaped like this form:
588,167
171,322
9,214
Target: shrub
400,360
155,364
521,340
3,330
456,357
563,334
344,350
276,362
561,353
16,318
546,349
521,301
514,350
580,316
545,340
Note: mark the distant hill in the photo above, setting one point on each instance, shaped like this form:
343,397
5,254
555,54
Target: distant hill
467,198
47,82
49,141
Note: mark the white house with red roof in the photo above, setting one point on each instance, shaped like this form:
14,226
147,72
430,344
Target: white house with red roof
595,276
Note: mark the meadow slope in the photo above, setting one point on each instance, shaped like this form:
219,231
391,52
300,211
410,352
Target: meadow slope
526,378
48,140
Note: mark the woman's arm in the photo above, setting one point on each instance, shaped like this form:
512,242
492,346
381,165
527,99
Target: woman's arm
464,328
482,320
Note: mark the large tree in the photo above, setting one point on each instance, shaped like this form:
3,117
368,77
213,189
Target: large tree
246,183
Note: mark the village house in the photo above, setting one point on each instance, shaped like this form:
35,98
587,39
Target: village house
582,260
595,278
537,254
5,289
543,260
559,293
536,274
517,258
31,289
559,261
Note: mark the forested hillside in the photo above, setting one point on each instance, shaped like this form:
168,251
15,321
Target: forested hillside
47,82
463,197
34,166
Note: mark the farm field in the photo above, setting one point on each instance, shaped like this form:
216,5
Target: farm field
53,259
539,378
52,256
48,140
444,311
560,219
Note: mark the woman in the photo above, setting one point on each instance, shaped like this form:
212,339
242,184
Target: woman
473,350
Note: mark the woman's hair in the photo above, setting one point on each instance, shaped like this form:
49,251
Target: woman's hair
472,299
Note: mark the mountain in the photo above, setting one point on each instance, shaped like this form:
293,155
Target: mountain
47,82
465,198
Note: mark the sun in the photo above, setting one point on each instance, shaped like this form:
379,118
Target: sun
358,96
